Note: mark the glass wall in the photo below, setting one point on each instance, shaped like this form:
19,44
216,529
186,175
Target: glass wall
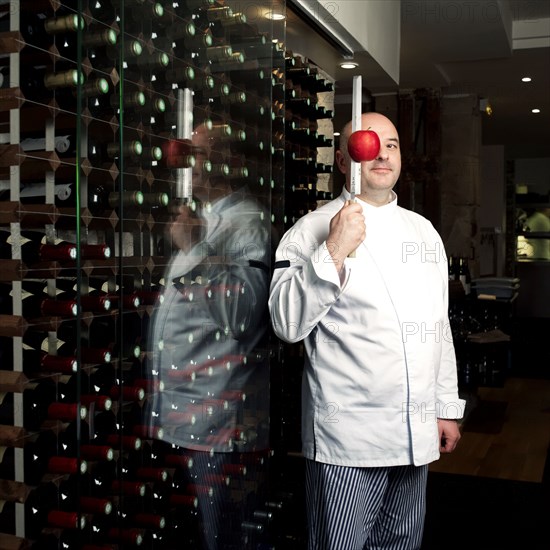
137,224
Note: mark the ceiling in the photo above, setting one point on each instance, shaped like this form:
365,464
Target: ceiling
461,55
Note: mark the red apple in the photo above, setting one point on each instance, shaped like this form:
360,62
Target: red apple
178,153
363,145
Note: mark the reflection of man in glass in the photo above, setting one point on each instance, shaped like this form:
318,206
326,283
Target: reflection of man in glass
539,221
208,334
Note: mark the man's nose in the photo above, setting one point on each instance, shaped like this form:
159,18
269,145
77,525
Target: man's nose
382,154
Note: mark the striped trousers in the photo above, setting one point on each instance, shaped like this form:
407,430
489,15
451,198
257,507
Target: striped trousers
351,508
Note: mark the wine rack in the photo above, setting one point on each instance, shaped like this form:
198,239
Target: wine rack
136,170
306,137
150,155
303,163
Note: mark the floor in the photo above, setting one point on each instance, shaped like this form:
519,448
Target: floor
493,492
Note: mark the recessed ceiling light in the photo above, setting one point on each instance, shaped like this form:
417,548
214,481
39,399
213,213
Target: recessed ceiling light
349,65
526,79
536,111
274,16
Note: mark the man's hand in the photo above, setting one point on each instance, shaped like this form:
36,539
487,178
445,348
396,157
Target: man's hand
347,232
449,435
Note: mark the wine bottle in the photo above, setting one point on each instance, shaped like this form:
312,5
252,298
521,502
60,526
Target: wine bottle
37,362
38,29
106,57
139,516
102,199
95,304
39,84
185,41
71,498
91,92
156,201
170,455
184,75
40,305
105,531
95,37
41,457
100,152
138,467
155,61
86,251
33,250
220,20
254,79
67,346
144,14
39,408
234,62
255,46
146,112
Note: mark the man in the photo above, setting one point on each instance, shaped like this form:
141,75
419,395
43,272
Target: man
379,395
208,336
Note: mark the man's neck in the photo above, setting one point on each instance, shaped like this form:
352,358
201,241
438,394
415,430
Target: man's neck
377,199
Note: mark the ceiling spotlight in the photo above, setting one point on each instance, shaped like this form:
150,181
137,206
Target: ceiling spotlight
536,111
349,65
275,16
526,79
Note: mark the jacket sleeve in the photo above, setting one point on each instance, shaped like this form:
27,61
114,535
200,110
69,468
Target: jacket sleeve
304,285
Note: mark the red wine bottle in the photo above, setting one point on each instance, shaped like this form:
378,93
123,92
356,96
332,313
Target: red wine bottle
39,404
33,249
37,363
40,305
41,457
105,531
72,497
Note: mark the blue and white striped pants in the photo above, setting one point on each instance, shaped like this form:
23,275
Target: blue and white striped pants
351,508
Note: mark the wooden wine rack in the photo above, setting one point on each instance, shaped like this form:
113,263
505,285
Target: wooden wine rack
88,193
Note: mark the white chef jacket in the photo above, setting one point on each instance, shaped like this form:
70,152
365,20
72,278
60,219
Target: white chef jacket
380,362
210,326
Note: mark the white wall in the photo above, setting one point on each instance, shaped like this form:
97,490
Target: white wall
375,25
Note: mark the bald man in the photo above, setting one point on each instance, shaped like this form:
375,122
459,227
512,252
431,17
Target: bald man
379,392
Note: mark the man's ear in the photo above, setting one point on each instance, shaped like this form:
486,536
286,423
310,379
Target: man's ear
341,161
